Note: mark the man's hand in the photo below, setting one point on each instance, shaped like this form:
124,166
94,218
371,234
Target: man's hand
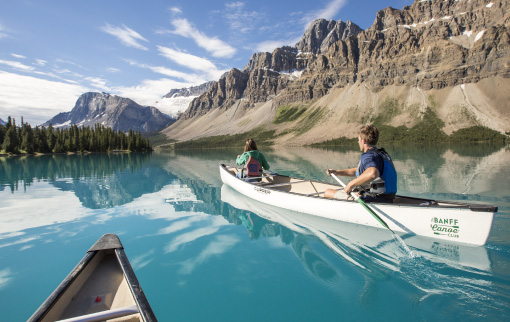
348,188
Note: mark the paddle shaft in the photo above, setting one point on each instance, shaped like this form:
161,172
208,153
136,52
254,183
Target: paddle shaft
361,202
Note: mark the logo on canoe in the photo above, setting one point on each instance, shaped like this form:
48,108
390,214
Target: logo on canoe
445,226
262,190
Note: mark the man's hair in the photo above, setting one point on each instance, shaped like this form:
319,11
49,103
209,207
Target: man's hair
250,145
369,133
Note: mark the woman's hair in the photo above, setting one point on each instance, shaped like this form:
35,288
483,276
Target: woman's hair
250,145
369,133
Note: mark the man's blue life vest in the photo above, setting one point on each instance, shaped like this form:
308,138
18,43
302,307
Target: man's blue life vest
387,182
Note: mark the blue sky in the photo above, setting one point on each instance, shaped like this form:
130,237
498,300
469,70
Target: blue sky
52,51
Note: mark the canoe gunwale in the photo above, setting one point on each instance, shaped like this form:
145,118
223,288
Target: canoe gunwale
137,291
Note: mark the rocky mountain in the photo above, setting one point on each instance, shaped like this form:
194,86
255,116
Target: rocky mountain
322,33
2,122
267,74
113,111
451,56
189,91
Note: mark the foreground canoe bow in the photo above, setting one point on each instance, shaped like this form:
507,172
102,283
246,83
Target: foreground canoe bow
101,287
457,222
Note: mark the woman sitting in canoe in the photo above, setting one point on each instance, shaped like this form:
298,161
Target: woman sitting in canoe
254,160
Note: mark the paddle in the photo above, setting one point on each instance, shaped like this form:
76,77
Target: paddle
361,202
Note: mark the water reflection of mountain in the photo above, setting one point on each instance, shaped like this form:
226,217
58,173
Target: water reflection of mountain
98,180
257,227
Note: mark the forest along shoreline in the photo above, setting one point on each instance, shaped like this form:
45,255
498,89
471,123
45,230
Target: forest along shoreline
25,140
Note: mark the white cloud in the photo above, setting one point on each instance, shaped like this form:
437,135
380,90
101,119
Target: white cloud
176,10
241,21
213,45
149,92
127,36
37,100
98,83
190,78
17,65
191,61
2,34
18,56
113,70
270,45
68,72
328,12
59,60
40,62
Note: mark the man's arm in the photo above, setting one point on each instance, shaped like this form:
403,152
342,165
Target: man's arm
344,173
367,176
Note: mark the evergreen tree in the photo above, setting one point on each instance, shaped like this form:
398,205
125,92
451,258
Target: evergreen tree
10,144
41,140
52,138
2,134
27,143
59,146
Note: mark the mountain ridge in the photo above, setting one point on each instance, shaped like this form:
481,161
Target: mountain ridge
113,111
452,57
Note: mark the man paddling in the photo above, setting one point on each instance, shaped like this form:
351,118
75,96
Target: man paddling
376,178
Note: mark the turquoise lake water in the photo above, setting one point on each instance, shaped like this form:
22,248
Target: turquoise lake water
202,252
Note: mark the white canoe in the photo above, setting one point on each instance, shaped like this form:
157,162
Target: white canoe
102,287
456,222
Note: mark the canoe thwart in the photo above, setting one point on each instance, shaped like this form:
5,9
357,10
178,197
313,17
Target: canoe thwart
104,315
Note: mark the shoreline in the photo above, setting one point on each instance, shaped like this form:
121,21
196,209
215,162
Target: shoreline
61,153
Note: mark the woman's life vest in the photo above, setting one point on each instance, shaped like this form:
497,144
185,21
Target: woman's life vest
386,183
252,167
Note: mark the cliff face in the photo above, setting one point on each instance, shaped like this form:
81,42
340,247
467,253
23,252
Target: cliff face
112,111
426,49
430,45
267,74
